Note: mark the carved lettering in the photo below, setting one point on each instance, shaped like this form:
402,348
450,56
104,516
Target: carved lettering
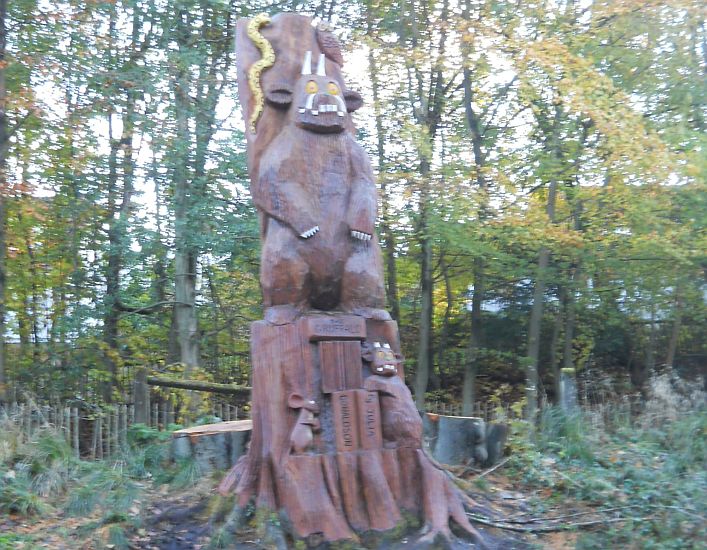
370,418
335,328
345,420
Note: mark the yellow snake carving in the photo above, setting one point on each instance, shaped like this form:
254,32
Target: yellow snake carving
266,61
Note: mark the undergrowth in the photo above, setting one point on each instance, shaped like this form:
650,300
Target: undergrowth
653,473
42,476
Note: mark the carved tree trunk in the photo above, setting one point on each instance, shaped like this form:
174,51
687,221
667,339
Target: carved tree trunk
336,448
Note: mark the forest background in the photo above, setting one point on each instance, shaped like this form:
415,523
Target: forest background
541,174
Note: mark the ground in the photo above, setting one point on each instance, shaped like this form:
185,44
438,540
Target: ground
179,519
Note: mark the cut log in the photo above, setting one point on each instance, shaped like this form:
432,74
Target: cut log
198,385
212,446
496,435
457,440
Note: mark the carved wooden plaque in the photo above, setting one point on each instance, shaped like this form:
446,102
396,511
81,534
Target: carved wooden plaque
369,415
341,327
345,420
341,366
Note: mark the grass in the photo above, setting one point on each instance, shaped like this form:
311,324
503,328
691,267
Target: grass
42,476
654,473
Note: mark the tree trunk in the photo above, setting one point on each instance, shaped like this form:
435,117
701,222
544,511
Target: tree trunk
387,237
536,312
469,387
675,334
473,123
185,258
554,363
441,350
4,188
422,372
568,373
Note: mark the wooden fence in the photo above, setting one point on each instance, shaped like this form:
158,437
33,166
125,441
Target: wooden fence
99,433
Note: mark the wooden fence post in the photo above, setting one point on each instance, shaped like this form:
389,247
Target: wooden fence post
108,435
75,414
114,430
124,426
99,436
141,396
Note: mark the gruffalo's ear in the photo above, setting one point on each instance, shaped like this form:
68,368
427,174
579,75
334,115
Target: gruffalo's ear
353,100
279,96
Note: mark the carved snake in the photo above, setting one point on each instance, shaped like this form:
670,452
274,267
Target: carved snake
266,61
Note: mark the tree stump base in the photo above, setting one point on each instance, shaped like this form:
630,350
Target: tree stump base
212,446
464,440
336,448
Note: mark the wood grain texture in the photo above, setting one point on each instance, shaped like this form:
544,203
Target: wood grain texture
336,448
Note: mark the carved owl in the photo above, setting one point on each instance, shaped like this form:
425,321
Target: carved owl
329,44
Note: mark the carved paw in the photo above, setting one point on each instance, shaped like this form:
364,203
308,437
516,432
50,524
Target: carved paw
361,235
310,232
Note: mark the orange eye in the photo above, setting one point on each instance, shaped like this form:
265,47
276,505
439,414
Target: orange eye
311,87
333,88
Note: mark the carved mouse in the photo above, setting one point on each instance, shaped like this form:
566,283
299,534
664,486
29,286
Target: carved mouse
316,190
307,423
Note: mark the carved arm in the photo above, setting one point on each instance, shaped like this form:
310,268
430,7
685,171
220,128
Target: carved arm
363,203
287,202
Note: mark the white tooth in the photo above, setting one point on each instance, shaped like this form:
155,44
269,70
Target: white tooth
307,64
340,113
302,110
369,237
314,112
340,101
321,66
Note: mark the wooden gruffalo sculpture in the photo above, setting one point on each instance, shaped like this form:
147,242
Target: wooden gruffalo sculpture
336,448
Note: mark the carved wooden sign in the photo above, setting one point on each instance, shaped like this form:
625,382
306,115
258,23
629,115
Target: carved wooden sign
337,442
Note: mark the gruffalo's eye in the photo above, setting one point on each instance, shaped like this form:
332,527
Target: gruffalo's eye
333,88
311,87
